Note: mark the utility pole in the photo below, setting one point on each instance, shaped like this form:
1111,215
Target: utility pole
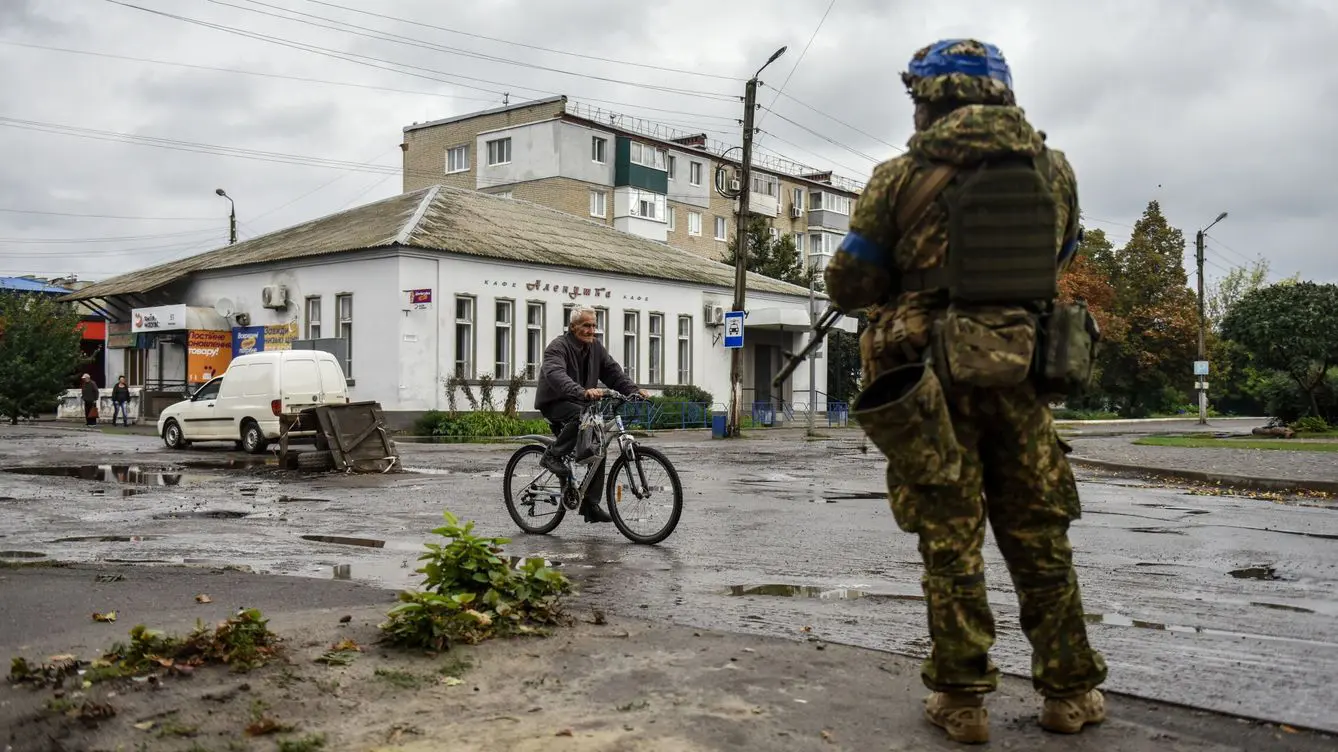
813,356
232,216
741,245
1201,379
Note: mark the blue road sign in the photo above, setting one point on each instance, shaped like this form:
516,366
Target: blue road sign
733,329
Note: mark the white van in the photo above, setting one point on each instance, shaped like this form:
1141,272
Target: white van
244,404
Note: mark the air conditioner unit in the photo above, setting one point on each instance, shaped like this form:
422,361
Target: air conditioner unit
714,314
274,296
796,211
735,185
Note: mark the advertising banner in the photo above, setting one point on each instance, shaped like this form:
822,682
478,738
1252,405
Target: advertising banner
207,355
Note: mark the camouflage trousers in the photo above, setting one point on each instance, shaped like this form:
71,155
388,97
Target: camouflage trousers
1015,475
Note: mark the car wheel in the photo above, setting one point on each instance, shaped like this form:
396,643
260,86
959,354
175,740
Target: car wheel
253,439
172,435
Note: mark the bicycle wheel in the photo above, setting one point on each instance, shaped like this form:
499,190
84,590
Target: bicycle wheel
636,492
533,494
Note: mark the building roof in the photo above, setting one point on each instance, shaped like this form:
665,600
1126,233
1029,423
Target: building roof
25,284
456,221
481,113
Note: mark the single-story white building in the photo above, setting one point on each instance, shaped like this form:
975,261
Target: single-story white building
443,281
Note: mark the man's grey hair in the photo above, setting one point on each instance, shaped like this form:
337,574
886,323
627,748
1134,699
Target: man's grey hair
578,313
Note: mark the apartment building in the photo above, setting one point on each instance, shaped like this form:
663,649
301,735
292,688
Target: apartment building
633,175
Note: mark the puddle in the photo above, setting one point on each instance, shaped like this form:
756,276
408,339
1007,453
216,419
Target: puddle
1156,530
1283,607
822,593
208,514
364,542
296,499
1120,620
428,471
21,555
130,475
242,463
107,539
1255,573
833,498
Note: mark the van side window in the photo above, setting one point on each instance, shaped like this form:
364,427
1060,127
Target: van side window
208,391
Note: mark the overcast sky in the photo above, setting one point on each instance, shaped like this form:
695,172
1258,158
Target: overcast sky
1206,106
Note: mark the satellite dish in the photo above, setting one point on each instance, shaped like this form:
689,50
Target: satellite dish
223,307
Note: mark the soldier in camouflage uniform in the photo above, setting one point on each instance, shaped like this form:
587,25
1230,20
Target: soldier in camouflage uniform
949,395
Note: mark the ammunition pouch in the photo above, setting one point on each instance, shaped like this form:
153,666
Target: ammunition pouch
905,414
990,347
1070,339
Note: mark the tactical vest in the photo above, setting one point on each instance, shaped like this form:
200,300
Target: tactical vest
1001,231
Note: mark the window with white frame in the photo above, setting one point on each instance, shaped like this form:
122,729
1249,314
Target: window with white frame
775,234
499,151
646,204
832,202
798,197
720,227
314,317
534,339
601,323
671,166
631,353
815,244
655,343
685,349
598,204
695,173
672,216
765,185
695,223
457,159
815,201
344,313
598,149
464,337
799,242
504,339
647,155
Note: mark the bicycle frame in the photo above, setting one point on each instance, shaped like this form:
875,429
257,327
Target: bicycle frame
613,429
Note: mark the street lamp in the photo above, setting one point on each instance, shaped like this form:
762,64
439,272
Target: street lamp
232,216
741,241
1201,378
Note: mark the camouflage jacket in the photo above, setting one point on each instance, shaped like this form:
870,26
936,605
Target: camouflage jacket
964,137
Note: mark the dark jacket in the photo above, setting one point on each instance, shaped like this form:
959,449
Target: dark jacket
567,371
91,392
120,393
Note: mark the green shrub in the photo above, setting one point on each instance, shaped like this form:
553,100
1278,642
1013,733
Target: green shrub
471,593
688,393
476,425
1071,414
1310,424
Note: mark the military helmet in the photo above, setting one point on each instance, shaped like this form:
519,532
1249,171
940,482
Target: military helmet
965,70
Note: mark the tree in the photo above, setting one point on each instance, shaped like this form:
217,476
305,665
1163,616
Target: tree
1238,282
39,349
774,257
1289,328
1237,385
1140,373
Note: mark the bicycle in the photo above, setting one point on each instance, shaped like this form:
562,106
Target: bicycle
628,475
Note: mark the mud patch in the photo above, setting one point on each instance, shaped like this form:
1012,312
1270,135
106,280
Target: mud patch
832,498
821,593
341,540
1282,607
21,555
1156,530
207,514
107,538
1255,573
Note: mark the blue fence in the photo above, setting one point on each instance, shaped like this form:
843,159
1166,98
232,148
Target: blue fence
663,415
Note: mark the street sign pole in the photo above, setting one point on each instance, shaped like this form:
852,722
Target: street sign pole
1201,383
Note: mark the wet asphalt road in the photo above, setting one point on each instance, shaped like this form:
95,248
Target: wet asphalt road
1219,602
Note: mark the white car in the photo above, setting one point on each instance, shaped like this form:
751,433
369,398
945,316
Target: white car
244,404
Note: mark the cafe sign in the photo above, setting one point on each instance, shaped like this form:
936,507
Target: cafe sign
158,319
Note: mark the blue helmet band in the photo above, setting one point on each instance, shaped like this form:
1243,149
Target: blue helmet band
941,59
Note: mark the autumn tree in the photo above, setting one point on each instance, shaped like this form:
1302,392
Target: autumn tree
1291,328
1237,385
1147,369
39,349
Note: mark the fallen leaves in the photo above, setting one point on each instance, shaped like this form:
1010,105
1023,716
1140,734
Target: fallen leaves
266,726
110,616
203,598
342,653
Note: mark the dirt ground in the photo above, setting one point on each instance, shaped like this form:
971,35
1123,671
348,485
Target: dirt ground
617,685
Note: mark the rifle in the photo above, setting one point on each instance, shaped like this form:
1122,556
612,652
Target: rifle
820,330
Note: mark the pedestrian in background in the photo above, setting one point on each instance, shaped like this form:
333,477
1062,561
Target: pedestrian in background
121,402
91,395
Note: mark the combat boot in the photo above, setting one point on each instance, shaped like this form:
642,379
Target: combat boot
963,716
1068,715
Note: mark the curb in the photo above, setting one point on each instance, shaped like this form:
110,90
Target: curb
1245,482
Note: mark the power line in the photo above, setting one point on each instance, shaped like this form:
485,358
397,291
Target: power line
70,241
385,36
779,91
829,140
110,216
245,72
839,121
806,151
527,46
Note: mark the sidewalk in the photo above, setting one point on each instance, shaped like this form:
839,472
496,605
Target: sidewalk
619,685
1276,470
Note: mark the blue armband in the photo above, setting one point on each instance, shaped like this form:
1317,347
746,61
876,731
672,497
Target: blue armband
1070,247
861,248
